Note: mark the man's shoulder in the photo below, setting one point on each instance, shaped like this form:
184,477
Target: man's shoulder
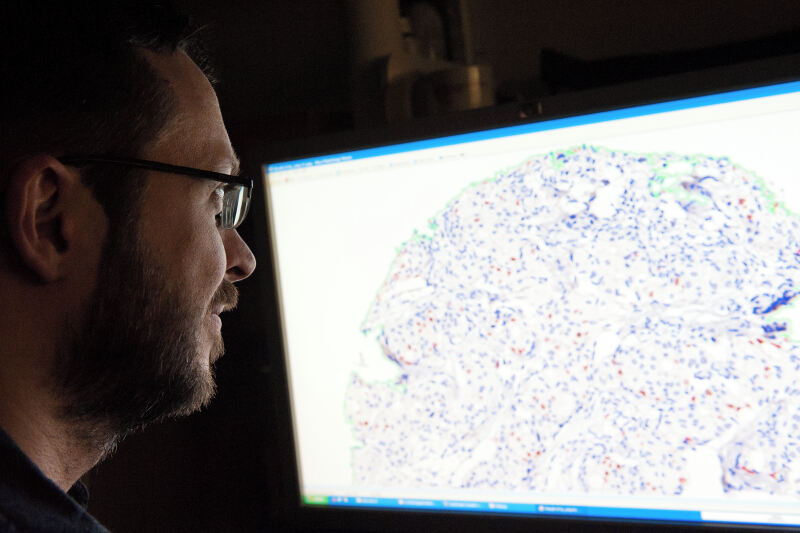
36,510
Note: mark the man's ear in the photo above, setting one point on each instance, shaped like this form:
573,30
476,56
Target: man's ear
35,203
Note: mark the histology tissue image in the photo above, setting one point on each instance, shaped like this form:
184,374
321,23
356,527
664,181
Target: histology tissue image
587,321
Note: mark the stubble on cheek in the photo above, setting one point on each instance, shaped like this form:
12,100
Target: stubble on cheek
139,351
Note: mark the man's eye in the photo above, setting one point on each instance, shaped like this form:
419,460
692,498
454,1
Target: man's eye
219,192
217,198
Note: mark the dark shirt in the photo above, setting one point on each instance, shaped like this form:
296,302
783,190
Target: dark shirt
29,501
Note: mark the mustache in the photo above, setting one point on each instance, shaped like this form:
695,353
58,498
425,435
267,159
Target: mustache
227,295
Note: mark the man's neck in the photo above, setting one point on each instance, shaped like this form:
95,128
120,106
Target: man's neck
30,415
49,444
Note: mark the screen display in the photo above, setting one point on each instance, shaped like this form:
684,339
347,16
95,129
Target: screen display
590,316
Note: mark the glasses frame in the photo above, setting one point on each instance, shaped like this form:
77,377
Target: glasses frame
191,172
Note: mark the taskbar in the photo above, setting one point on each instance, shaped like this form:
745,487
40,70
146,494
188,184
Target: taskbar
549,510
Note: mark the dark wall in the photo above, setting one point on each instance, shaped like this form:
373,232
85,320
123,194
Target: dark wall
285,75
280,63
508,34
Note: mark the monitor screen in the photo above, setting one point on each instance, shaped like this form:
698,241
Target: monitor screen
589,316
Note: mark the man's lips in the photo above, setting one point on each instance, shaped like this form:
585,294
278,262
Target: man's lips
218,310
225,299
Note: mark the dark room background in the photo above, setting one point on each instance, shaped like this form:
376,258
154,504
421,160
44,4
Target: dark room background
288,73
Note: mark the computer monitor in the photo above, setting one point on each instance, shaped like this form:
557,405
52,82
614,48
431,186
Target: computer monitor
588,316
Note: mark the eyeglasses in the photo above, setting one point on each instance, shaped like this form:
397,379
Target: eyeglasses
236,193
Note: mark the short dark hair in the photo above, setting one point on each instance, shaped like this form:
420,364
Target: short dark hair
74,81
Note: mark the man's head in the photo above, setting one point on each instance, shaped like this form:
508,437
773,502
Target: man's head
130,267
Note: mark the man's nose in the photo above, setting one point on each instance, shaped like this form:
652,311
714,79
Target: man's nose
240,260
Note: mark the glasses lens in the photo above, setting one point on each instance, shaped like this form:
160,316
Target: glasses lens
235,203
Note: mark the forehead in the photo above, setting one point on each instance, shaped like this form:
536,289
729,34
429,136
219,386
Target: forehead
196,135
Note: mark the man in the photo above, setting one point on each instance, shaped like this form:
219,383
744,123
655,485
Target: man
113,270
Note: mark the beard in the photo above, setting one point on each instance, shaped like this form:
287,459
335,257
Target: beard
135,357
